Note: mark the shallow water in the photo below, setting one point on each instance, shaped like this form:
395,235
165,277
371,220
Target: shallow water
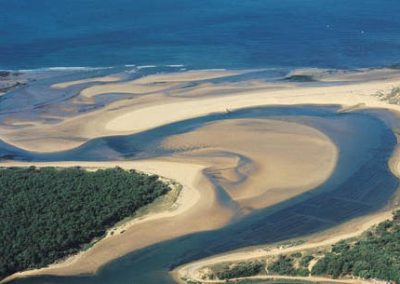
360,184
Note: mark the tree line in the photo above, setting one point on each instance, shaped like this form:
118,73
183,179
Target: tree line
49,213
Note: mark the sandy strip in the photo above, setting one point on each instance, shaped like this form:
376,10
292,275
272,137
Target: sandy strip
162,82
132,116
105,79
347,95
189,76
310,279
349,230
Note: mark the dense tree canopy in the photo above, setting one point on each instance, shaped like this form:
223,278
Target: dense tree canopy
48,213
376,255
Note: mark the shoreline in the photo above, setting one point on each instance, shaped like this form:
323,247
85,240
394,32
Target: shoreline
318,240
197,199
348,230
200,196
188,200
347,89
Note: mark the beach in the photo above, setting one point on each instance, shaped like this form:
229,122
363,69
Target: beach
156,107
258,163
197,200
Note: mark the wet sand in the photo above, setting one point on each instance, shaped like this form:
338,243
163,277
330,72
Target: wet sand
105,79
154,103
321,240
272,174
277,161
259,162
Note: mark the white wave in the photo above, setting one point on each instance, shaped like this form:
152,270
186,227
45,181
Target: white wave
63,69
146,66
175,65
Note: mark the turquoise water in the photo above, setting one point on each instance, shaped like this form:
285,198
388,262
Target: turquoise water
199,34
361,183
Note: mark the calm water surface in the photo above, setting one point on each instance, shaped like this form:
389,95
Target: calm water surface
199,34
361,183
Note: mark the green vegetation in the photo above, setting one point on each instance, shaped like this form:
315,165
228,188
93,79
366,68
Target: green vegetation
305,261
242,269
393,97
49,213
375,255
284,265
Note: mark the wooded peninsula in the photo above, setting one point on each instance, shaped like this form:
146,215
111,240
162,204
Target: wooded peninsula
49,213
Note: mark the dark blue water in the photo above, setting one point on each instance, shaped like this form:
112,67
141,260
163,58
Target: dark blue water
199,34
361,183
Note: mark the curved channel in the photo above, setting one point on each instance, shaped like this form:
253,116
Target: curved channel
360,184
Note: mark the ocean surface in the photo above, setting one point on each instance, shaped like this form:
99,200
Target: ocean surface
199,34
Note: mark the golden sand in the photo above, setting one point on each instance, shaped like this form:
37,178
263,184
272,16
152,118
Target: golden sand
278,156
162,107
271,175
261,182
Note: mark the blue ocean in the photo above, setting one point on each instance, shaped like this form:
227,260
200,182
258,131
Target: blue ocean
199,34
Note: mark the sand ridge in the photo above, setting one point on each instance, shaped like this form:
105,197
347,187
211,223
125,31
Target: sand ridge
105,79
259,162
128,116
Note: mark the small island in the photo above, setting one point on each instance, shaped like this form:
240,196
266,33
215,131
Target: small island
49,213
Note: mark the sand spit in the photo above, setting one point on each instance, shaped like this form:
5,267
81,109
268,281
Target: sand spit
105,79
158,82
260,162
144,111
347,95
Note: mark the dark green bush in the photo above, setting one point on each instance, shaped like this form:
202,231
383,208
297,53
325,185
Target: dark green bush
243,269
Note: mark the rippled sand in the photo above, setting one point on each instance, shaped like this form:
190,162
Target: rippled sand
157,100
259,162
